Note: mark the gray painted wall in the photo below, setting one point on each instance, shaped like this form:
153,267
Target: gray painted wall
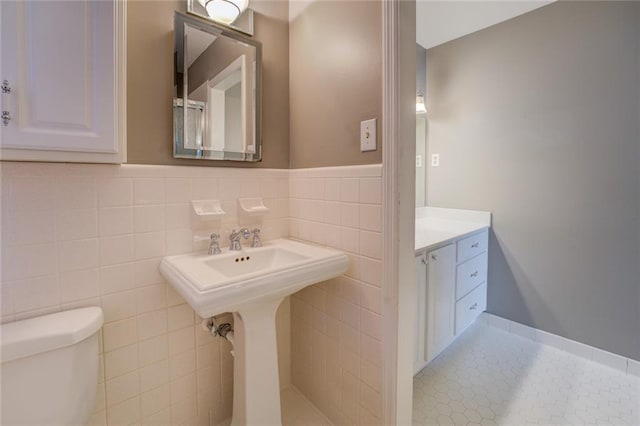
421,70
537,120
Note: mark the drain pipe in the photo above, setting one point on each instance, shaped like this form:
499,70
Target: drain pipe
224,330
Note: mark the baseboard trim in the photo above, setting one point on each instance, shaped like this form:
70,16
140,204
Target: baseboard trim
608,359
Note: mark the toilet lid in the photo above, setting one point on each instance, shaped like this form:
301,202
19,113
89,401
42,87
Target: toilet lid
36,335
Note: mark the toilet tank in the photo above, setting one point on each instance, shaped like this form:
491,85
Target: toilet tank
49,368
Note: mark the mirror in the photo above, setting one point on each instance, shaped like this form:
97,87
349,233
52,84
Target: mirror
421,160
216,93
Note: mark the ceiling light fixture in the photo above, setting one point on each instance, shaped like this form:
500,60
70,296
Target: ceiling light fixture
224,11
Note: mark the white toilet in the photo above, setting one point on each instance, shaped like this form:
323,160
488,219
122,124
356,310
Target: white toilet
49,368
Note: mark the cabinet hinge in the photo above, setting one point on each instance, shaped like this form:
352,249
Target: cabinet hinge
6,90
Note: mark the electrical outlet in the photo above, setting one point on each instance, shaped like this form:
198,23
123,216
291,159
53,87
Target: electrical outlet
368,135
435,160
418,160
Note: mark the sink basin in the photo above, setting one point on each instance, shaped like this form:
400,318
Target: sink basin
213,284
251,283
261,260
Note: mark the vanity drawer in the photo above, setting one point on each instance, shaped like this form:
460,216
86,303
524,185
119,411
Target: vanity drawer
472,246
469,274
469,307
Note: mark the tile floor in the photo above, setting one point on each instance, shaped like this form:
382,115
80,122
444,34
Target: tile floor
296,410
492,377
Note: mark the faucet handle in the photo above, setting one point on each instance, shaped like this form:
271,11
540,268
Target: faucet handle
245,233
214,248
256,238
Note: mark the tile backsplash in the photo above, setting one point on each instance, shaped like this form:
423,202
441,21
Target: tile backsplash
77,235
336,331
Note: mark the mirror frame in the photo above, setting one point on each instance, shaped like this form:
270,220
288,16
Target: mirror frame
180,19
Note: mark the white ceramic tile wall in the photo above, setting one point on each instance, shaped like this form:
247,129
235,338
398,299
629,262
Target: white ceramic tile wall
336,325
85,235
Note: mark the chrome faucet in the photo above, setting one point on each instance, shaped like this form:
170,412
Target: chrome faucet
214,247
235,238
256,238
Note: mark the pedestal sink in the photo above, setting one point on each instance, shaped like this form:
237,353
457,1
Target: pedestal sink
251,283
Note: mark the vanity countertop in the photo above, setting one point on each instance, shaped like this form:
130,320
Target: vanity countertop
436,226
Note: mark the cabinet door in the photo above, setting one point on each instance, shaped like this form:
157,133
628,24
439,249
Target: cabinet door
64,63
421,318
441,299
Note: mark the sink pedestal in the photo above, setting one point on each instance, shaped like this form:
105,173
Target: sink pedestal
256,382
252,283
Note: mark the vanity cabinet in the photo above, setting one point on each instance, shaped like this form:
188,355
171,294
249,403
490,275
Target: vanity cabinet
451,289
471,279
441,292
63,71
421,300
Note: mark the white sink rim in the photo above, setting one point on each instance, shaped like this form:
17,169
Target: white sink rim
231,293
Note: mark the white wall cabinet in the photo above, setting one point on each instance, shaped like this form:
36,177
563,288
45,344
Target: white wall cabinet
452,292
65,68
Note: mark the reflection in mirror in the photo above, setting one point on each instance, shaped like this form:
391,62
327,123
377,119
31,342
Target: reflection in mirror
421,160
218,79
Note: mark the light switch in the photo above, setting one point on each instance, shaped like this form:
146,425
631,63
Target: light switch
418,160
435,160
368,135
